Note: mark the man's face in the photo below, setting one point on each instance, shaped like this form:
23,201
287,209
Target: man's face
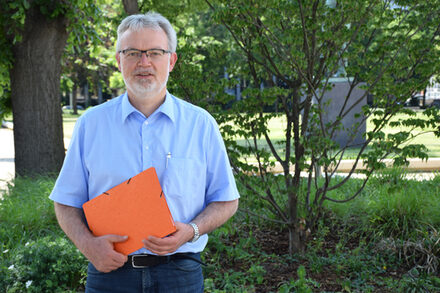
144,77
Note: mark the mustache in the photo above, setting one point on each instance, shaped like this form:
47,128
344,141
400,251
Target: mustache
144,71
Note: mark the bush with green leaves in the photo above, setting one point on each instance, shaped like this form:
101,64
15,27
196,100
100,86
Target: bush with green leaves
35,255
50,264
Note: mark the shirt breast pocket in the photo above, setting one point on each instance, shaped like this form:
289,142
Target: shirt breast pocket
185,179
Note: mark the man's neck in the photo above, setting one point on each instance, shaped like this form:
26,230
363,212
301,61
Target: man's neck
147,105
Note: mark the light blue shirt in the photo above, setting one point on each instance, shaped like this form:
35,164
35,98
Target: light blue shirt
113,142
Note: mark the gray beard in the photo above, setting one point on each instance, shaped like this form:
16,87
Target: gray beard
147,89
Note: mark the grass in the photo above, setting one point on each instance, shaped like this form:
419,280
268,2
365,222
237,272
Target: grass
18,217
392,205
69,121
277,127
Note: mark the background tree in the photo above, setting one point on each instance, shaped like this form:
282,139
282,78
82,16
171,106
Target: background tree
33,38
389,49
204,52
131,6
89,59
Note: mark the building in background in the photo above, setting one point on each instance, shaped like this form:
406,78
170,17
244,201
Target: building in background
433,91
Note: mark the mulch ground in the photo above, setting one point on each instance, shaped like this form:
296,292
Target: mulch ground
276,243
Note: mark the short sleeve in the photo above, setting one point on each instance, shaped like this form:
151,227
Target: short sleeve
220,185
71,187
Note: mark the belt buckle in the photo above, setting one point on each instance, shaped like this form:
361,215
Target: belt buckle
133,264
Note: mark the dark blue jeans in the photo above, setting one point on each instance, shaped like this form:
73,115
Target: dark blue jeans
177,276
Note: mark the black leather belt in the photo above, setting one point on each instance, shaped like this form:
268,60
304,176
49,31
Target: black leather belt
148,260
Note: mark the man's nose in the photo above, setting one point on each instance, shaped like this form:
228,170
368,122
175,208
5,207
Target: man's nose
145,59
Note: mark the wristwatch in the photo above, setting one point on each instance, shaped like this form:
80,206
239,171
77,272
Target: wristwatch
196,232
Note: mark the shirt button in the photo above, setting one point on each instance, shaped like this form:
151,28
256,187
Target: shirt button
146,122
146,147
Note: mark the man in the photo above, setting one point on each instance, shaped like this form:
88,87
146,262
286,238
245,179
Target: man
147,127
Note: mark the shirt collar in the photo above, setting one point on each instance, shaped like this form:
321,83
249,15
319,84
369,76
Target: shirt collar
166,108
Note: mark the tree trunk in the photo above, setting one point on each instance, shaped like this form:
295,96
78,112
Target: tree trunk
296,241
35,93
131,6
87,101
99,93
424,98
297,226
74,99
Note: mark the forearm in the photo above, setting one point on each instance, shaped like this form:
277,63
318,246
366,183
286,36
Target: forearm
215,215
72,221
99,250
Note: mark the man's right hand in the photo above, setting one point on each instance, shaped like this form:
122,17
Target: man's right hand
101,253
98,250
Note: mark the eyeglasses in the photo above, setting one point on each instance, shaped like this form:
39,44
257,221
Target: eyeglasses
136,55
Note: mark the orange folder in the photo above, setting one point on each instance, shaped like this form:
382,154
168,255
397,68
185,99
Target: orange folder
136,208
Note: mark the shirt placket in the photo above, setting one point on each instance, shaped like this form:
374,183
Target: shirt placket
147,144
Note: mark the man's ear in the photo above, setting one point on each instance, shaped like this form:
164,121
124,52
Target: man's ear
173,60
118,59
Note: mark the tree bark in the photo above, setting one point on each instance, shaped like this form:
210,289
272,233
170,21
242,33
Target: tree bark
74,99
35,94
87,100
131,6
296,229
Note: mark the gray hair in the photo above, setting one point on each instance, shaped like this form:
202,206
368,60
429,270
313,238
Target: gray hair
150,20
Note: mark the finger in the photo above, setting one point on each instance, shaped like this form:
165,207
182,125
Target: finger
154,239
110,268
161,242
153,247
119,258
111,265
116,238
160,249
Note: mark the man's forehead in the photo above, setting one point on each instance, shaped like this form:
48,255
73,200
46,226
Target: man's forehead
144,36
144,32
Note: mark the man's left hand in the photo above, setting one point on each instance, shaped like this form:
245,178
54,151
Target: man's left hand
161,246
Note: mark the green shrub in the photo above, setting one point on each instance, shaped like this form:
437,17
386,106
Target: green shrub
35,255
46,265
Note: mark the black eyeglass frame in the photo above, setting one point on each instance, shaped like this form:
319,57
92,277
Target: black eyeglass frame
144,51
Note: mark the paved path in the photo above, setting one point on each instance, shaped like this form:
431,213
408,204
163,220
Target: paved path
416,166
7,154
